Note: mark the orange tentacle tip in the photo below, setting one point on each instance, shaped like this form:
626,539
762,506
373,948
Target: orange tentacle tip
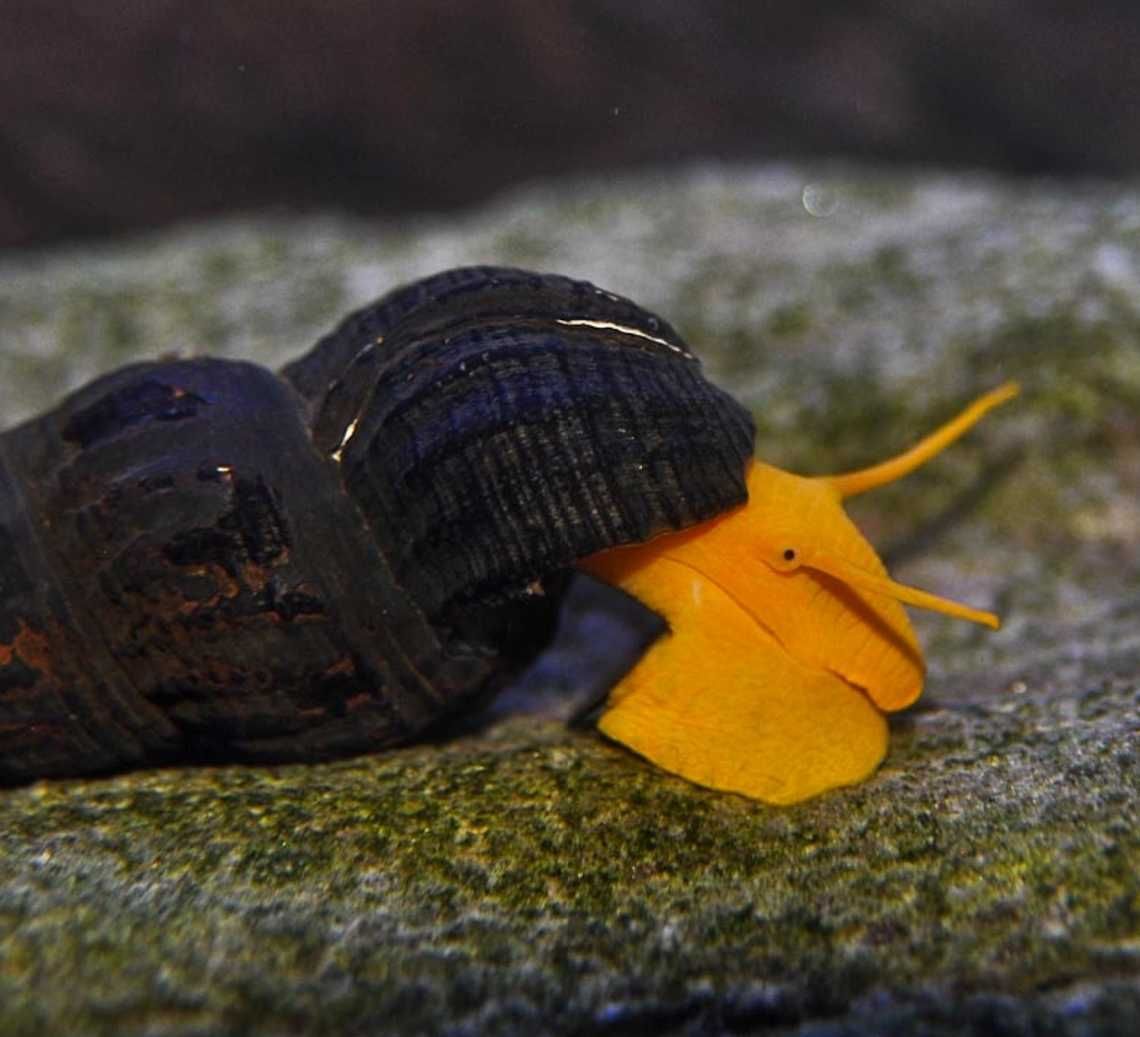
787,644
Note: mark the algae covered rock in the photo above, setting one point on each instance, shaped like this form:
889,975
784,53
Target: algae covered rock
531,877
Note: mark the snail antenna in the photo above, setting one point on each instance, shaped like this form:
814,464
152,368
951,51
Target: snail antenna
849,484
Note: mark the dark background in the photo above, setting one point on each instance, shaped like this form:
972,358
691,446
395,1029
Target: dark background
125,114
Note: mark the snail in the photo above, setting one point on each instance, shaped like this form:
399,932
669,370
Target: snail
204,561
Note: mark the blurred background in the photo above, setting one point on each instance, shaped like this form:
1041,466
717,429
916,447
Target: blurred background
125,114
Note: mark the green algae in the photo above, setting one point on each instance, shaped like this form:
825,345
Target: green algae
476,856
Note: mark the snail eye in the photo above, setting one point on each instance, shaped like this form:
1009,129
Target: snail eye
784,559
787,559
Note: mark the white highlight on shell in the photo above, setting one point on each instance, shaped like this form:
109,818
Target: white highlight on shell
606,325
348,434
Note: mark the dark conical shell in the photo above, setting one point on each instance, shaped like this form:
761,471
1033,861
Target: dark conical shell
495,425
200,560
181,575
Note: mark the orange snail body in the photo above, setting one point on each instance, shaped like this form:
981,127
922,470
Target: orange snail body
788,642
202,561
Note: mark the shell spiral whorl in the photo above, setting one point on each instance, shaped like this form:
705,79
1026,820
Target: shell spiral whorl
509,423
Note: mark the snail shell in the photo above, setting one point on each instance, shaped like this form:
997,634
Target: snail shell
200,560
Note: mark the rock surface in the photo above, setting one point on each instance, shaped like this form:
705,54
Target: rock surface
533,878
